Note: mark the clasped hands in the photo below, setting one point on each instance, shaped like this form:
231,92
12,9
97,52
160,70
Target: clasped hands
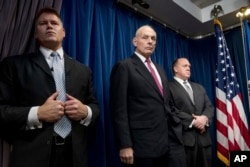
200,122
53,110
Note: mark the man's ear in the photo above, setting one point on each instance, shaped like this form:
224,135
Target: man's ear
175,70
135,41
64,32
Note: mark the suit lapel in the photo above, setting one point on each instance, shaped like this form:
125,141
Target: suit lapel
184,90
68,64
40,61
142,70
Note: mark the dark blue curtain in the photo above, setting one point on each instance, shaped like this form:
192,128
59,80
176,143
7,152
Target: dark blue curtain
236,49
99,33
246,34
246,37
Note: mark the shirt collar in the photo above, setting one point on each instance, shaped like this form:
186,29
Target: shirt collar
143,59
180,80
46,52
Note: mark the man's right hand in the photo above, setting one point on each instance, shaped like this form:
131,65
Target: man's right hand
52,110
127,155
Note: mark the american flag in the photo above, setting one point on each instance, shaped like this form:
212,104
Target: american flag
232,128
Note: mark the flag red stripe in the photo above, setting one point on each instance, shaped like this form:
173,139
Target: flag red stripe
242,126
223,150
221,127
221,106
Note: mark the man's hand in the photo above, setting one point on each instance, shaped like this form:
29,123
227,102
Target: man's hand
52,110
200,122
127,155
74,109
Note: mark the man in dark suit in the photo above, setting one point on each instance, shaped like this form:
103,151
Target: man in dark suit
29,104
140,109
195,111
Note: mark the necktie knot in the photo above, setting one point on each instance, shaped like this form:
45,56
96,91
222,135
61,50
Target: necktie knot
54,54
148,60
55,60
186,85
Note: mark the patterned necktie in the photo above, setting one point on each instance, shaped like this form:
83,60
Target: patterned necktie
63,126
154,76
189,90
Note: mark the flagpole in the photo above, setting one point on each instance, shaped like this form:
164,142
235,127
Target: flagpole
214,13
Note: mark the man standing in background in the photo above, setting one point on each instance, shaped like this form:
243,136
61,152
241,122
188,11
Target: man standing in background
195,111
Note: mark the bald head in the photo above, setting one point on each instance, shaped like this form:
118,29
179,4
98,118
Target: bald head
145,41
181,68
142,28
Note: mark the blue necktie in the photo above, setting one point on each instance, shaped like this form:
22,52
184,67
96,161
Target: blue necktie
63,126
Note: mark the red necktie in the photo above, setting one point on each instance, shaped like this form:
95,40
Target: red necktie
154,76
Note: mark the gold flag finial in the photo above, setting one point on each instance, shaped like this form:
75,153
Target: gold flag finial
216,11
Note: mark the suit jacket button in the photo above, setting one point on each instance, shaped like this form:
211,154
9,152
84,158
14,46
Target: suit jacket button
48,142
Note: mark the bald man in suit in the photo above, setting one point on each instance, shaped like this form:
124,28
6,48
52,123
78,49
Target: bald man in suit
195,111
140,109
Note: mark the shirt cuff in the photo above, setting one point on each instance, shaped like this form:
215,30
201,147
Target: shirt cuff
191,125
207,122
86,121
33,122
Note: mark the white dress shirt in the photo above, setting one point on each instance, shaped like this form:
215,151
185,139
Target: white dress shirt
33,121
143,59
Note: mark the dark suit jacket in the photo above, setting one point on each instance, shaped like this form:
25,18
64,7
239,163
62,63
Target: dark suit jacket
186,108
27,81
139,112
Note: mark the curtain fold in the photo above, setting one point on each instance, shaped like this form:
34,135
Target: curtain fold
246,36
17,25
